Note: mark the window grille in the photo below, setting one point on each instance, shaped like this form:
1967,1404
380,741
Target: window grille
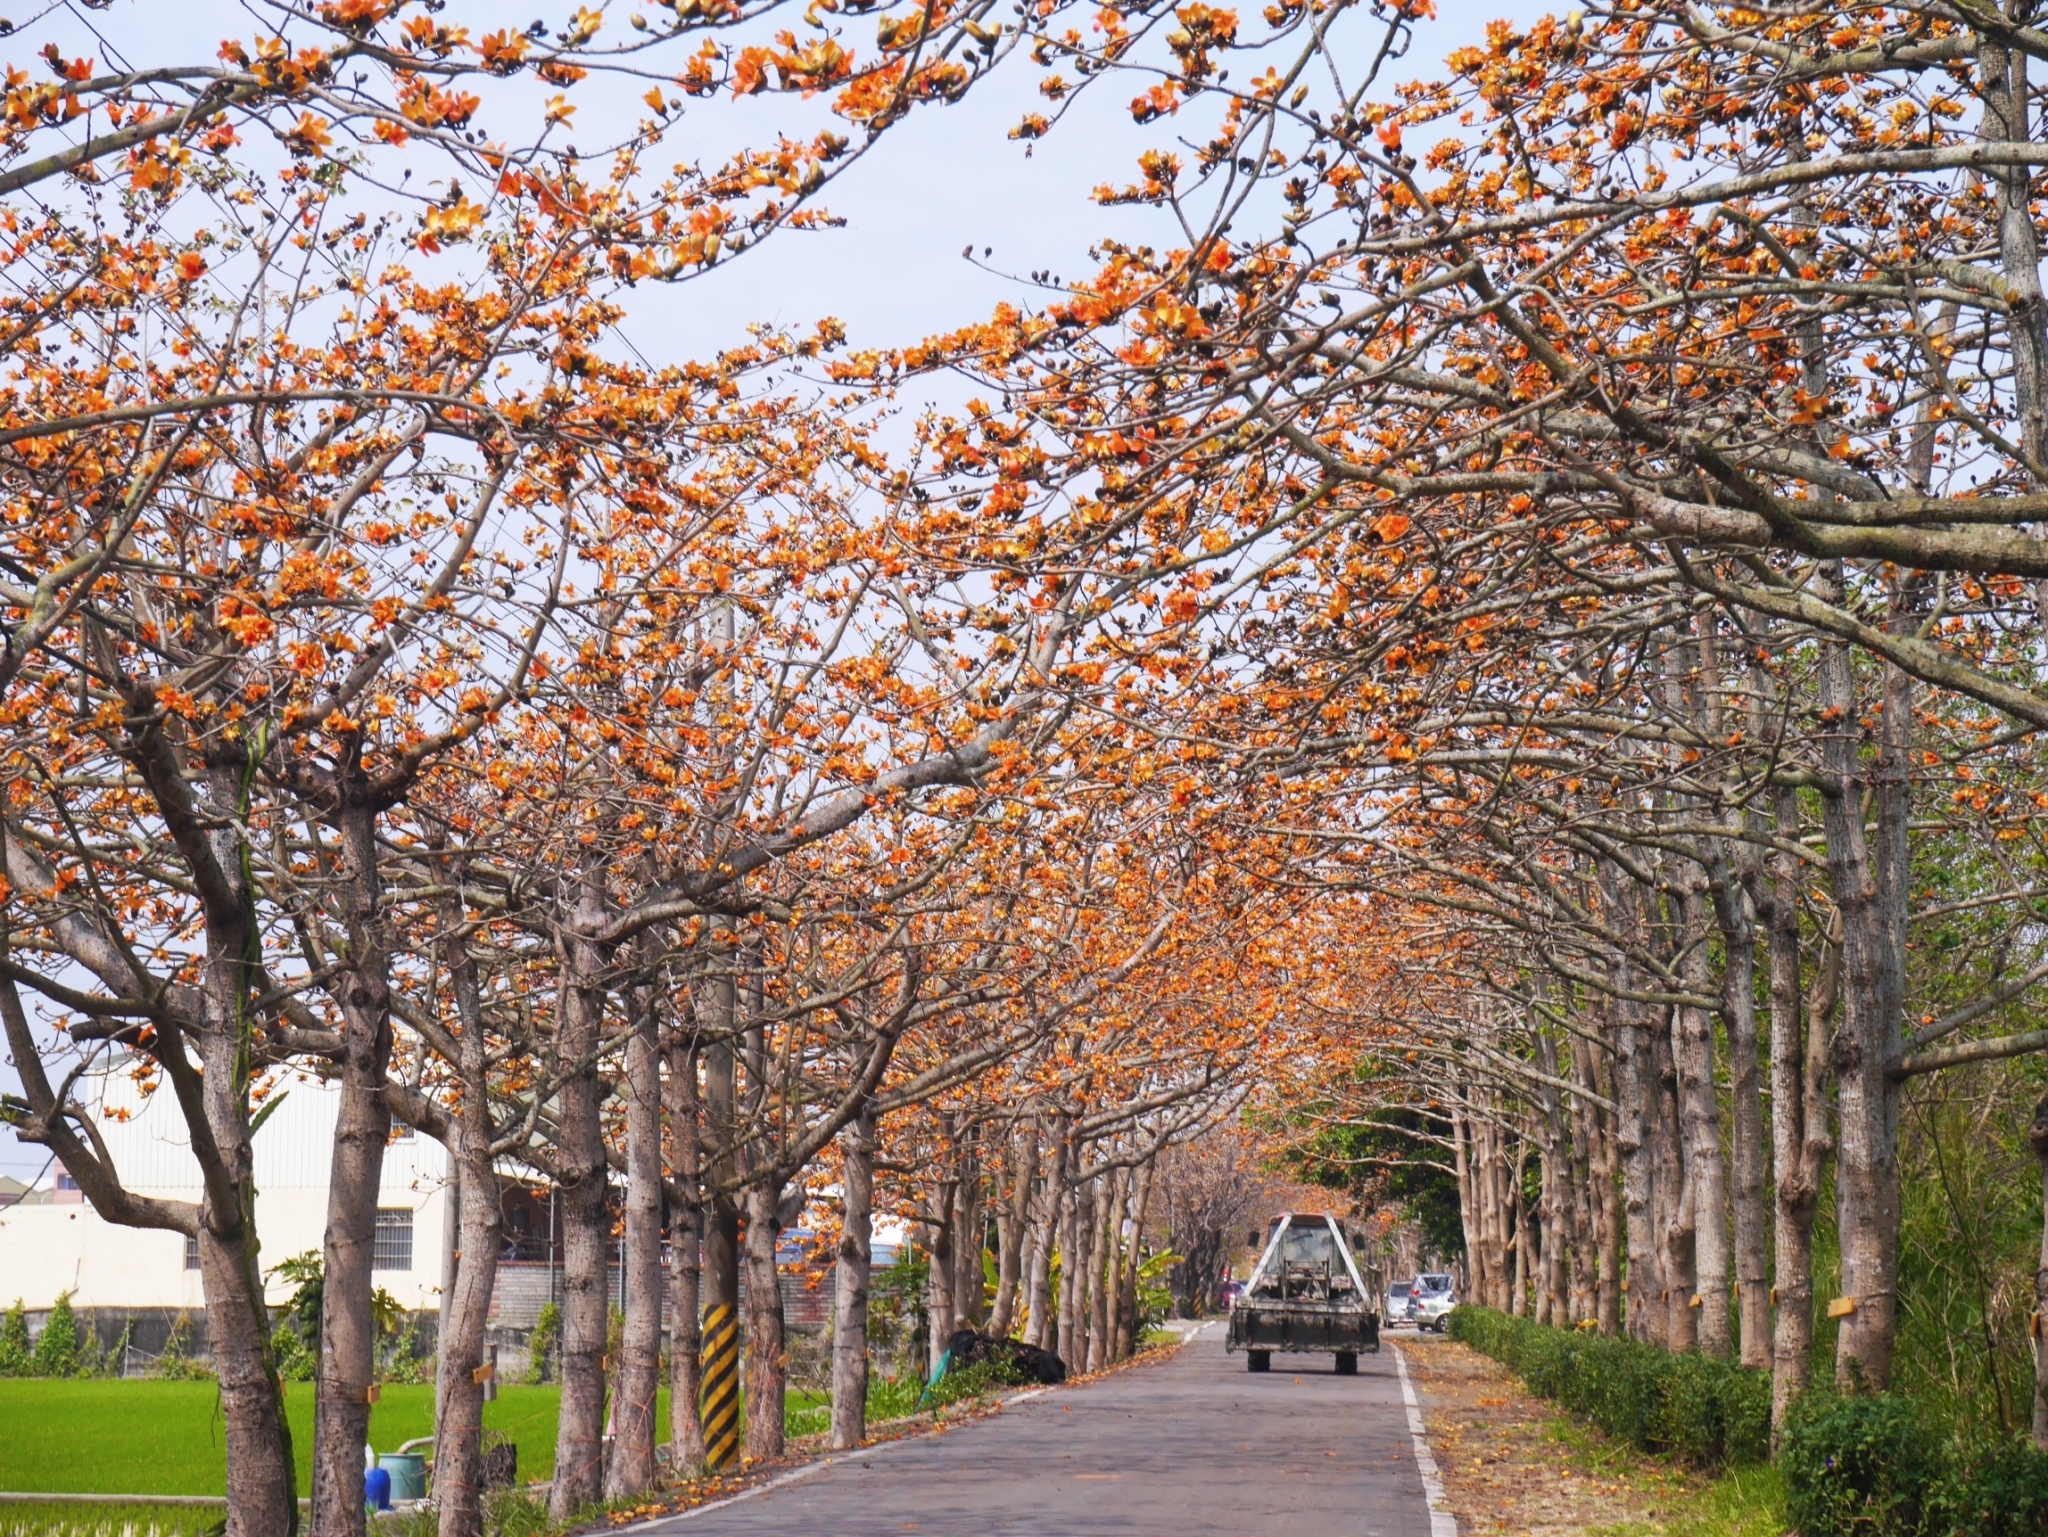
191,1251
393,1249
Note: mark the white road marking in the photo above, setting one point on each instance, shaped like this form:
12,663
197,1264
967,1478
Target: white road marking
745,1494
1441,1522
880,1448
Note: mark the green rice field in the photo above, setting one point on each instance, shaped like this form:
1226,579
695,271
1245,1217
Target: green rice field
101,1437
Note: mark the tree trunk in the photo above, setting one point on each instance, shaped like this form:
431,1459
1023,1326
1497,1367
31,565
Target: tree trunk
970,1287
1675,1216
1127,1305
458,1395
1868,876
1069,1227
767,1365
1609,1179
262,1486
940,1275
1102,1276
1094,1218
639,1366
459,1386
348,1342
719,1405
1013,1227
2037,1134
686,1257
1799,1141
850,1289
1700,1117
1746,1119
586,1224
1631,1094
1041,1324
1468,1213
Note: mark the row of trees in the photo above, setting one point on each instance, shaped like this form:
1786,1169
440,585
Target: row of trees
566,755
1600,537
1555,614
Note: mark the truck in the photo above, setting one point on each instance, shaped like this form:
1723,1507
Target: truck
1307,1293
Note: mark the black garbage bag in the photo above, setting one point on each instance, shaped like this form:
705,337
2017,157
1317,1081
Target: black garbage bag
968,1348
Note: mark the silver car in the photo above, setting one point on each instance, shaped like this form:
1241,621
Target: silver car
1431,1302
1400,1299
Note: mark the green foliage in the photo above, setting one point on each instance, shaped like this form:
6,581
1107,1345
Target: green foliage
402,1357
1155,1290
295,1343
2000,1493
57,1347
1873,1465
1708,1413
973,1381
1383,1162
14,1348
296,1361
898,1323
1860,1466
176,1364
544,1344
1968,1244
115,1362
302,1313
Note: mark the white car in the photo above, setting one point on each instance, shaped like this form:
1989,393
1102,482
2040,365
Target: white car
1432,1301
1398,1300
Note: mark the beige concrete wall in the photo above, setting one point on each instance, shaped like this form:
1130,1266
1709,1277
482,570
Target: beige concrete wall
64,1245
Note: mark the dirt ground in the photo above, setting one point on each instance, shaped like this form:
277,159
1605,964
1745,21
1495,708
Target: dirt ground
1515,1467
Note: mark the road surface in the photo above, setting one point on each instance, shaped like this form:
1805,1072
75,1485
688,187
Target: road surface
1193,1446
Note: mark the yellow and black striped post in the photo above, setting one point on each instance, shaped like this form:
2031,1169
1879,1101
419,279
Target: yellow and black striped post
719,1403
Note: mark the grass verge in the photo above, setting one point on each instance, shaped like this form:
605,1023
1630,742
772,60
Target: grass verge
1516,1466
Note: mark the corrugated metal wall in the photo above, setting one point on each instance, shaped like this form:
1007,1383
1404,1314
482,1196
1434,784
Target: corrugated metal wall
146,1134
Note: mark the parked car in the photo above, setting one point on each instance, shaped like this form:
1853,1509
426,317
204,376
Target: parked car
1400,1298
1431,1302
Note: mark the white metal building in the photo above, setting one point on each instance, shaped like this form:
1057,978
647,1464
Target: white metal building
52,1241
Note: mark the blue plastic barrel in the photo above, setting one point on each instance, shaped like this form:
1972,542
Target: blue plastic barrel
376,1489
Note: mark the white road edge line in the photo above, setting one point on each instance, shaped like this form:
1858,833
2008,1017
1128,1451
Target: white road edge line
880,1449
1441,1522
745,1494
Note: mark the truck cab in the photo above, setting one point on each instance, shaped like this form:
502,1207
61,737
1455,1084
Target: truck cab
1306,1294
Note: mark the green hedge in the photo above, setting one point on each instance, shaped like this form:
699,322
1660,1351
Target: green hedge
1857,1466
1868,1465
1706,1412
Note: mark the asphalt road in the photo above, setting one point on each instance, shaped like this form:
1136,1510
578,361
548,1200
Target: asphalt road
1193,1446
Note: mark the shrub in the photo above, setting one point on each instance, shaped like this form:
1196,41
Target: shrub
1861,1466
403,1357
14,1350
115,1362
57,1346
295,1360
2001,1493
1709,1413
543,1343
175,1364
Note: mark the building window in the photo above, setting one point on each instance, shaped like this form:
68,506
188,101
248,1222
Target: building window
191,1251
65,1181
394,1239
